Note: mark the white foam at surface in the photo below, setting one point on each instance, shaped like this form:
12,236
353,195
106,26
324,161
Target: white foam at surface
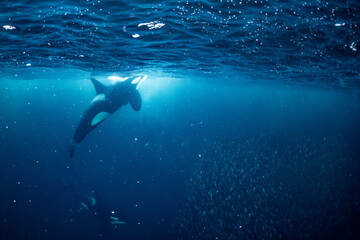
152,25
8,27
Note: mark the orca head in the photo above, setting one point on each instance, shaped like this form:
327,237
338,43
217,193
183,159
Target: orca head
136,81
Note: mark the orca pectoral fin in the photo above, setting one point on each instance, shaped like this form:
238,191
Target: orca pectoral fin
135,100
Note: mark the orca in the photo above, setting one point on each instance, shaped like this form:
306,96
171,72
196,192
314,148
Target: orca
97,207
108,99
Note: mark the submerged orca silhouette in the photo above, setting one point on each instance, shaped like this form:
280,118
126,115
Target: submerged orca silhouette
94,204
108,99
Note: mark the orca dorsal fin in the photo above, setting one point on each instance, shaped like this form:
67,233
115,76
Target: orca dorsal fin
99,87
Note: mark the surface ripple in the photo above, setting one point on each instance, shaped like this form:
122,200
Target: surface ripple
292,40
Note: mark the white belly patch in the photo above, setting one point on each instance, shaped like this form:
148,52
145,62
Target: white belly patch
99,117
117,222
93,201
99,97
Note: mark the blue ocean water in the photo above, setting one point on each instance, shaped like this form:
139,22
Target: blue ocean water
249,125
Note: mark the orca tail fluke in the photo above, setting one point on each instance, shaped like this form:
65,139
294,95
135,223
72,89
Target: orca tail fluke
72,148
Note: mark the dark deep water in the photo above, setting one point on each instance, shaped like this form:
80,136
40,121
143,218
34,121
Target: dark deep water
249,127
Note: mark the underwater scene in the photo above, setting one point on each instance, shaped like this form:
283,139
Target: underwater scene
177,120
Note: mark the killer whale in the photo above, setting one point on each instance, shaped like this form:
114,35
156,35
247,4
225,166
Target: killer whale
108,99
97,207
